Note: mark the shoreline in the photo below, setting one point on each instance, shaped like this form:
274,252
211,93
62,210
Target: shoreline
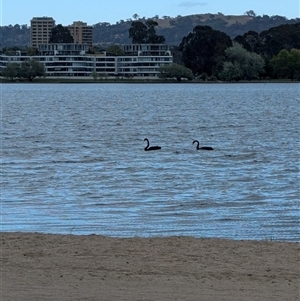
42,267
87,80
269,240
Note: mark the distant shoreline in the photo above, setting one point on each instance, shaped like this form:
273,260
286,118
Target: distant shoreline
136,81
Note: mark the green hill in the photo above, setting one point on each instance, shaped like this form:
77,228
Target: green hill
173,29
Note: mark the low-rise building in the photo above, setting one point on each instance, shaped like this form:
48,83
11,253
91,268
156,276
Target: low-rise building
139,60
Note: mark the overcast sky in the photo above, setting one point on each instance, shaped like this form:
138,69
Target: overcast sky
94,11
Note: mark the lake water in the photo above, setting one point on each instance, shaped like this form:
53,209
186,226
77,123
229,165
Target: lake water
73,159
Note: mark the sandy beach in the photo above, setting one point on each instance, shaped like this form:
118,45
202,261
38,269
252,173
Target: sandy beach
68,267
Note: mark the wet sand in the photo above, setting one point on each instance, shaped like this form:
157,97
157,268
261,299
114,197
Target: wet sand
68,267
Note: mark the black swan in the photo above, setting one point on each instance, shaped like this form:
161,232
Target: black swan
147,148
203,147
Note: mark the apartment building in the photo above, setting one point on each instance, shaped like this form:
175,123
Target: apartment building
74,60
40,30
81,33
143,60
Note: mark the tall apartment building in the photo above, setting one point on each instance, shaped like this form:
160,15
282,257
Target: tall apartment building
81,33
40,30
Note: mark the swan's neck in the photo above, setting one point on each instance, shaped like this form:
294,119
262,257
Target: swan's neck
147,144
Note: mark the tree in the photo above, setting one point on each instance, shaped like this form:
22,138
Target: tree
31,69
95,75
203,50
11,71
60,34
231,71
135,16
250,13
95,49
286,36
138,32
141,33
10,50
31,51
175,71
27,69
177,55
115,50
153,38
287,64
250,41
241,64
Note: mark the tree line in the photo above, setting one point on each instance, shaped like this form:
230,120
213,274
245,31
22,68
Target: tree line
210,54
27,70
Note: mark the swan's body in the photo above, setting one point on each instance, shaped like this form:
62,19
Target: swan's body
149,148
203,147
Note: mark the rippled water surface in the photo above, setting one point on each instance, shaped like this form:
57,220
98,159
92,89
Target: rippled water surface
73,159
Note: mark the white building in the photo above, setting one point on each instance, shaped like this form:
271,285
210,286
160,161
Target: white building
139,60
